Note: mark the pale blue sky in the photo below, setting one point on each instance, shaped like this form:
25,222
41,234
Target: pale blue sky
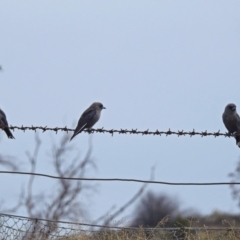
154,65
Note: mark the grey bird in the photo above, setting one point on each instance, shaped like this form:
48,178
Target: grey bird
231,121
4,124
89,118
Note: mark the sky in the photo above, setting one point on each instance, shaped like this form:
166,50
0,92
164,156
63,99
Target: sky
155,64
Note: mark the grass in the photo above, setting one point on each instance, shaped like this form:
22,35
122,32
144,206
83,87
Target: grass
140,234
227,231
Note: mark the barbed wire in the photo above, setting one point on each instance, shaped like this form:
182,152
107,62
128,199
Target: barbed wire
20,227
122,179
126,131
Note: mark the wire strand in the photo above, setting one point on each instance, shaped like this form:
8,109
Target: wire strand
126,131
122,180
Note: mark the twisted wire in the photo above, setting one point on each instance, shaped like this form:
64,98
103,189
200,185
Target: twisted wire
127,131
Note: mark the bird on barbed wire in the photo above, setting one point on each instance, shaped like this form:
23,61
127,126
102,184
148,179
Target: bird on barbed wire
231,121
4,124
89,118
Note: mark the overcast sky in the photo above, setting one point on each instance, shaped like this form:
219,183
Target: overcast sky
155,64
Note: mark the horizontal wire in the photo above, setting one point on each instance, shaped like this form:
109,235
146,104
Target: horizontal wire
115,227
126,131
122,179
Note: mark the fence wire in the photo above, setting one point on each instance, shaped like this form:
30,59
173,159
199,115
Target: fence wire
24,228
123,180
126,131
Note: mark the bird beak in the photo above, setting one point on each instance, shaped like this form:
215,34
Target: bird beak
233,108
103,108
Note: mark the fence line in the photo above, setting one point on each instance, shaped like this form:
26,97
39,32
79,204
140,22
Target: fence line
26,228
126,131
122,180
116,227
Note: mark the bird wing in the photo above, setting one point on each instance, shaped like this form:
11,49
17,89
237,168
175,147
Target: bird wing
3,118
238,120
86,117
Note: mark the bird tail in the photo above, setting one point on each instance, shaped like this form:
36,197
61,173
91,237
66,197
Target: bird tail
72,136
237,137
8,132
77,131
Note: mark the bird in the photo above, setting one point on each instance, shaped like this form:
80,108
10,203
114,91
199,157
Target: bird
231,121
4,124
89,117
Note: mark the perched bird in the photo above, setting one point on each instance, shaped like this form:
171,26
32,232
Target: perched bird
88,118
4,124
231,121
